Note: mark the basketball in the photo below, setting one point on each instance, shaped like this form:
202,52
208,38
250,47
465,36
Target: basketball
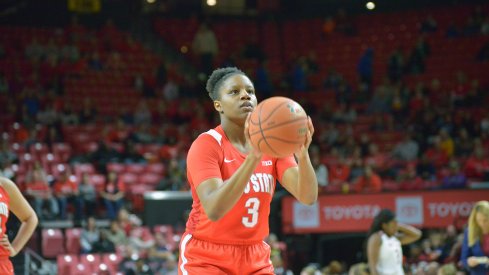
278,127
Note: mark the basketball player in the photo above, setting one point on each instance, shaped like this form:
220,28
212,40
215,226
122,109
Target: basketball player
232,186
12,200
385,238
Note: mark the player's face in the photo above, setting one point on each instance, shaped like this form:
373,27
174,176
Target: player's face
237,97
390,228
482,220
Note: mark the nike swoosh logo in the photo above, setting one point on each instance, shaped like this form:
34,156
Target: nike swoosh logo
228,160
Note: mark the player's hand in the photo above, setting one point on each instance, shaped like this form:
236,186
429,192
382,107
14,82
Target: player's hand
5,243
474,261
254,152
305,147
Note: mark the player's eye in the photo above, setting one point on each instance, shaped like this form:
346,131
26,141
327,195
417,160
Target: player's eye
251,92
233,92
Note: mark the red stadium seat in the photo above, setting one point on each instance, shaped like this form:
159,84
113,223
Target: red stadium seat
81,168
112,261
66,263
150,179
116,167
135,168
52,243
72,236
91,262
156,168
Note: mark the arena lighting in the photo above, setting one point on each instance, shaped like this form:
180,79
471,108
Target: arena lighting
150,1
370,5
211,3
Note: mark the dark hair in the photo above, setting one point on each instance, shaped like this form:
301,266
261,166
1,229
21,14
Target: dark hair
384,216
216,79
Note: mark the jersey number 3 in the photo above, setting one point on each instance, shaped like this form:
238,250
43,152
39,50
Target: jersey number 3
253,204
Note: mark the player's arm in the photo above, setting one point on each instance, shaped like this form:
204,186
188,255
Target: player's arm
218,196
24,212
373,248
408,234
301,181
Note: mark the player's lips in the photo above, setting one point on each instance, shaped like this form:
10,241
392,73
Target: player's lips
248,106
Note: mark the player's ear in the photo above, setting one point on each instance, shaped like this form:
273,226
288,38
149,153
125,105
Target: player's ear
217,106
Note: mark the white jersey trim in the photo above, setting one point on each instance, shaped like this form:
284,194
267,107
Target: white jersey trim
215,135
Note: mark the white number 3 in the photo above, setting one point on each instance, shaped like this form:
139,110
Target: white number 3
253,204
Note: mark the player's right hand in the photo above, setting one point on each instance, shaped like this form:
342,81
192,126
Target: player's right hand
254,151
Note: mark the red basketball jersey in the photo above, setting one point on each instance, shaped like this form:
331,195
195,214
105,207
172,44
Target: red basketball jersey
4,213
213,156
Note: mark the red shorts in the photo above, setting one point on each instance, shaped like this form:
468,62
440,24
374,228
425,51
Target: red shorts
202,257
6,267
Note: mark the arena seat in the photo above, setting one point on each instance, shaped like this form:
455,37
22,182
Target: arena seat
52,242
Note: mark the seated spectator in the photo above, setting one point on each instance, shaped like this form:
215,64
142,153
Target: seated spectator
374,158
37,187
116,234
339,172
368,182
113,194
175,178
477,166
88,195
129,153
170,266
409,179
66,191
90,236
406,150
446,143
455,179
319,168
464,145
127,221
426,168
437,154
429,25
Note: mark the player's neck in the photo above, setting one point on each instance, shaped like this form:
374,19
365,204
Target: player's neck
235,135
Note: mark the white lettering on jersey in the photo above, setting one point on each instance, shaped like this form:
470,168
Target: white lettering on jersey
260,182
3,209
266,163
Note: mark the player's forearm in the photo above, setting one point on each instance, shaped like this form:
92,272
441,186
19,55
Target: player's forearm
308,184
227,195
25,232
410,233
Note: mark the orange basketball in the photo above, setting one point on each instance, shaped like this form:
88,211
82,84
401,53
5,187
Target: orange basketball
278,126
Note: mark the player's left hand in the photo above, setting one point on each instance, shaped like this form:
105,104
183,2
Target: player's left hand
5,243
303,151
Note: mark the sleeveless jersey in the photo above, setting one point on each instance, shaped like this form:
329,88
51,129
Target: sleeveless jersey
4,213
390,256
213,156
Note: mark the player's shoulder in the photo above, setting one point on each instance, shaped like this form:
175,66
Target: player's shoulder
210,137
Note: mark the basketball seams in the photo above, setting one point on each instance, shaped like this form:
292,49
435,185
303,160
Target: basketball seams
261,106
278,125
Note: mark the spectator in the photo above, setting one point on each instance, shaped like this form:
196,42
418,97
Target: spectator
455,179
90,236
320,168
475,248
94,62
113,194
116,235
263,81
429,25
407,149
446,143
88,195
365,67
329,26
464,145
66,191
426,168
37,187
205,46
88,113
368,182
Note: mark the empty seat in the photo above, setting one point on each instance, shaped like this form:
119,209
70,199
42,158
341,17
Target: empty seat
91,262
66,263
52,243
73,240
